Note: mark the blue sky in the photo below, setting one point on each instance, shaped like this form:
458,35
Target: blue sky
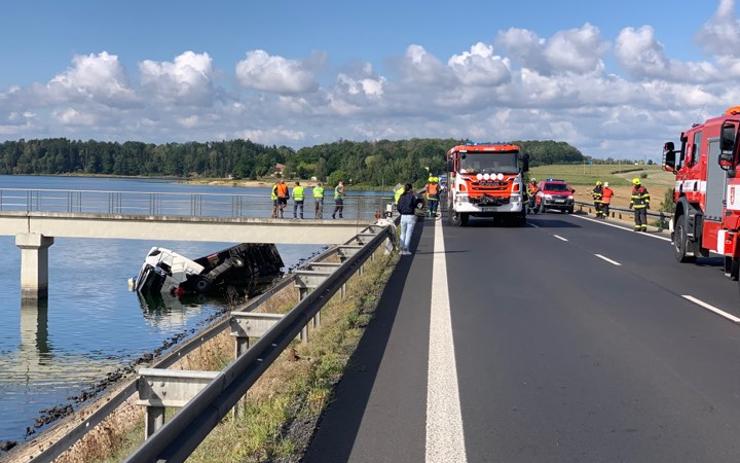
319,71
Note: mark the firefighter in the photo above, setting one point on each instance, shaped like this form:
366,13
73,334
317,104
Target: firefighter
432,195
640,201
281,191
318,197
338,200
606,198
598,195
298,197
532,190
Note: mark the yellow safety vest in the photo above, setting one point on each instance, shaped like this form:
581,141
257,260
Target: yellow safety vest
397,194
318,192
273,193
298,193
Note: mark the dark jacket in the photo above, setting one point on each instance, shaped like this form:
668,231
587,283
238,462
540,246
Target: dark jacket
407,204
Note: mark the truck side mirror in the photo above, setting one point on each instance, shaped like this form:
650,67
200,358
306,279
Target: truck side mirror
525,162
669,157
727,145
450,166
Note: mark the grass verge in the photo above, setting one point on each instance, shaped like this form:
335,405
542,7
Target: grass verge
284,405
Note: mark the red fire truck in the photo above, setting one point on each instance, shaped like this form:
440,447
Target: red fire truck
707,191
485,180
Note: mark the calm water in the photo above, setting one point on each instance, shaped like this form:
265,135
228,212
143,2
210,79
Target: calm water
93,324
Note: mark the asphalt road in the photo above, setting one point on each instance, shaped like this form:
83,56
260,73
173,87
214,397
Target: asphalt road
573,341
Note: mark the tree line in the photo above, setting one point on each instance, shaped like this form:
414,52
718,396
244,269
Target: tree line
373,163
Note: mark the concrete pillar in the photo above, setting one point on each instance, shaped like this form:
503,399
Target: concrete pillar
154,421
34,265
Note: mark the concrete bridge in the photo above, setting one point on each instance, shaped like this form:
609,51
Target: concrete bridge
37,217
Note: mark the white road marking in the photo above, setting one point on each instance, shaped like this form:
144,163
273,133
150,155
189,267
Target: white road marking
657,237
613,262
560,238
445,442
711,308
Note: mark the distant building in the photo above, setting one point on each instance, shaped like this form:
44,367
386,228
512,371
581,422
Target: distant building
278,170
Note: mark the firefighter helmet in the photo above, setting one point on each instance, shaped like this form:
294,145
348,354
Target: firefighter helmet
635,181
598,182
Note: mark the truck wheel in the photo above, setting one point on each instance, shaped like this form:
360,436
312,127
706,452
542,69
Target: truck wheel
464,219
202,285
681,242
455,218
569,210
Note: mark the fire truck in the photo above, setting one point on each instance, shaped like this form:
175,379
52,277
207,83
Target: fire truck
485,180
707,191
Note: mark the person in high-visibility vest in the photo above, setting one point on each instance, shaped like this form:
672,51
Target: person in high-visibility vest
338,200
318,197
432,195
598,194
274,198
606,198
281,191
298,196
397,193
640,201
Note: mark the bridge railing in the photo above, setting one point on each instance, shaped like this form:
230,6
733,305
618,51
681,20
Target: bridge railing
187,204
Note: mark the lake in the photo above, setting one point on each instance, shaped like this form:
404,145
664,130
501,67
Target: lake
93,324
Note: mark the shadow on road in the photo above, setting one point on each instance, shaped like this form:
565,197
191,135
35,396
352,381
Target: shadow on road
710,262
551,223
337,428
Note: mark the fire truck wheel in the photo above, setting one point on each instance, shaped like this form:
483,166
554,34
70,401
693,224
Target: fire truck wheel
681,242
202,285
464,219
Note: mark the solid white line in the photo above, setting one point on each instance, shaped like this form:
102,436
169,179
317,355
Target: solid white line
613,262
657,237
445,442
560,238
712,308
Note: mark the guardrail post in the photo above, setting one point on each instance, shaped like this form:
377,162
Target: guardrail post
160,388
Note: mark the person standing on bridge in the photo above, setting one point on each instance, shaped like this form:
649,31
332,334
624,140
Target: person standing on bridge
338,200
298,197
407,204
318,197
432,194
274,198
598,195
282,194
640,201
606,198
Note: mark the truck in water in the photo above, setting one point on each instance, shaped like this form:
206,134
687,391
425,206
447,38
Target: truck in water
242,269
486,180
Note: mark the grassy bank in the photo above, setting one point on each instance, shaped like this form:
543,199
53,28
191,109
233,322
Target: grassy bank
282,408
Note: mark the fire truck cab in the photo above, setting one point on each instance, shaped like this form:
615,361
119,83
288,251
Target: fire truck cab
485,180
707,191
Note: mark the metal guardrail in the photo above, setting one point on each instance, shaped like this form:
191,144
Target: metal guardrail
78,431
155,203
177,439
615,212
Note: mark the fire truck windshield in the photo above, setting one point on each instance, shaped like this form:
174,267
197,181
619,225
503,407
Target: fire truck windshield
488,163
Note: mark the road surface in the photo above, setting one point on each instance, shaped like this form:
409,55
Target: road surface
565,341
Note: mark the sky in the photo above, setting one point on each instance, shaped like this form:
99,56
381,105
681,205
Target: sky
615,79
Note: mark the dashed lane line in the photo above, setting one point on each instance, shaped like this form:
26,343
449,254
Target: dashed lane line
445,441
560,238
663,238
604,258
711,308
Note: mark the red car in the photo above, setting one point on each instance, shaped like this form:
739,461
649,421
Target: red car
554,194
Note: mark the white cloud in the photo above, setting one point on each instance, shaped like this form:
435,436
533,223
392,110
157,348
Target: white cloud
638,51
99,77
577,50
186,80
480,66
71,116
721,34
271,136
272,73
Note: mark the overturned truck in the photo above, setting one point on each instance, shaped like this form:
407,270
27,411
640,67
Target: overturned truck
245,268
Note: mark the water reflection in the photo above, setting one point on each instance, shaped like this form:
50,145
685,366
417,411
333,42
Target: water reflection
167,311
35,328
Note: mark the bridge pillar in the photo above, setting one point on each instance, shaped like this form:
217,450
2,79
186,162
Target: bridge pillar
34,265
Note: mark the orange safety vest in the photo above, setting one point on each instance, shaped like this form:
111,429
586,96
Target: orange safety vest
607,194
282,190
533,189
432,189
